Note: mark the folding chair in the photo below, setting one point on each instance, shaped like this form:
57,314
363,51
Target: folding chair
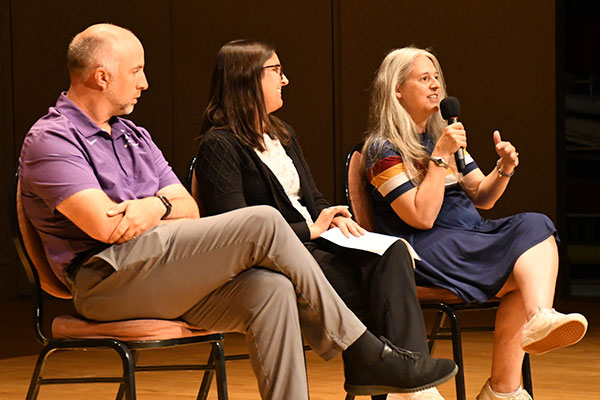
431,298
127,338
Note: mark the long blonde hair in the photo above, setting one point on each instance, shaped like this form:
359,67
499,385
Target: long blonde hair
389,120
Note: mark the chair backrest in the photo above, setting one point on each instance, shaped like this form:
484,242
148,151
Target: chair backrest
191,185
31,251
33,258
357,195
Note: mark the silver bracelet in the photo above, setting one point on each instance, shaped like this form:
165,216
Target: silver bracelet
503,174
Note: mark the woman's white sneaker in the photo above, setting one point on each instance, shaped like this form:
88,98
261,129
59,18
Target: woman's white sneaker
488,394
548,330
427,394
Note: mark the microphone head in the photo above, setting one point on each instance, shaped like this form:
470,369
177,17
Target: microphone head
450,108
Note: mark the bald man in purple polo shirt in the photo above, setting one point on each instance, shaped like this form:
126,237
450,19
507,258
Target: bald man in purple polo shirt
125,236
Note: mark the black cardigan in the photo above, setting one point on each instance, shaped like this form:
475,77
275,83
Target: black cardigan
231,175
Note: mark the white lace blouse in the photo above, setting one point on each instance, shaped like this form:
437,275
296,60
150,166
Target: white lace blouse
283,168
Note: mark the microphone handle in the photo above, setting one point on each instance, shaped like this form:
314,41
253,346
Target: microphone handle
459,156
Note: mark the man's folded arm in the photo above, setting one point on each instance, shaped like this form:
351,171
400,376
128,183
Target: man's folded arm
88,209
109,222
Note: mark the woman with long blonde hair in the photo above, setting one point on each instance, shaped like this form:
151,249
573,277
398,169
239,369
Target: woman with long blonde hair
419,194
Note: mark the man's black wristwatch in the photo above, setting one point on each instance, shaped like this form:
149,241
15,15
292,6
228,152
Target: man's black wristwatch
167,204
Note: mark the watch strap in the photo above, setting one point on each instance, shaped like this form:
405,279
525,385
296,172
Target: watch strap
439,161
167,205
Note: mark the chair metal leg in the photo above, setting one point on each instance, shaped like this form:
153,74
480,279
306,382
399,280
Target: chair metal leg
526,372
136,355
207,377
349,396
305,364
40,366
128,361
435,329
127,380
457,353
459,379
220,370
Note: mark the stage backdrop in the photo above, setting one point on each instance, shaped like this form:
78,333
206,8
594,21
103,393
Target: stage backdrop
498,58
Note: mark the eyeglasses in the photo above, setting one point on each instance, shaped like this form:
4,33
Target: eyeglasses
277,68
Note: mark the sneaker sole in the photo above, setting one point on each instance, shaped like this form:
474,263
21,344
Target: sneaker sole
561,336
371,390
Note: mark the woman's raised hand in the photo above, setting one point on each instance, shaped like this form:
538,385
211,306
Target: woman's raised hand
453,137
509,158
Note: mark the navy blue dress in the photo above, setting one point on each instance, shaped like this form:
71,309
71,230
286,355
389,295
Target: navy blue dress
462,252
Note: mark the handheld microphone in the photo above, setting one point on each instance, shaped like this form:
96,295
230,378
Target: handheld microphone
450,109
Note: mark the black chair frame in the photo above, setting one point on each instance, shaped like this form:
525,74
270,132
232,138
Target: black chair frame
439,331
128,351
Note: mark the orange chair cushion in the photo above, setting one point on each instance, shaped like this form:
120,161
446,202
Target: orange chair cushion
73,327
432,293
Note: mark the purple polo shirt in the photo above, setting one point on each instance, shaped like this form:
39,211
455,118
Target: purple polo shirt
65,152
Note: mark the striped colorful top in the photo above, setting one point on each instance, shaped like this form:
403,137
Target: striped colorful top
462,252
388,176
387,180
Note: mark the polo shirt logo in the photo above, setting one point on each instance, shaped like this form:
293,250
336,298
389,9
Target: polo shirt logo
91,142
130,142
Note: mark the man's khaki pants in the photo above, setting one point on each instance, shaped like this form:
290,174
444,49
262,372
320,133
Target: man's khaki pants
243,271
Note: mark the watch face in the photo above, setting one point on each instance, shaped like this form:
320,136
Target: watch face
439,161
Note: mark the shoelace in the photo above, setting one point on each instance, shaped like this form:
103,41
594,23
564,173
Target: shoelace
522,395
543,311
403,353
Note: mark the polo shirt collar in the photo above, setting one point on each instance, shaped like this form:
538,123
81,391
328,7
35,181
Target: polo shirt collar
83,123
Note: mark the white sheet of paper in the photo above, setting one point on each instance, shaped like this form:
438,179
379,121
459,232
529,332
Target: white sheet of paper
370,241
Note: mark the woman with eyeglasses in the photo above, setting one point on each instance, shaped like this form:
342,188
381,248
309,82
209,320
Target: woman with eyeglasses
419,194
247,156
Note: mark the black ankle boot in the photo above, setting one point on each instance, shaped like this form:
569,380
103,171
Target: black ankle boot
397,371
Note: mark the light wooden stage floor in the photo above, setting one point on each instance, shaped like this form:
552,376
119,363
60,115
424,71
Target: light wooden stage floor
572,373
